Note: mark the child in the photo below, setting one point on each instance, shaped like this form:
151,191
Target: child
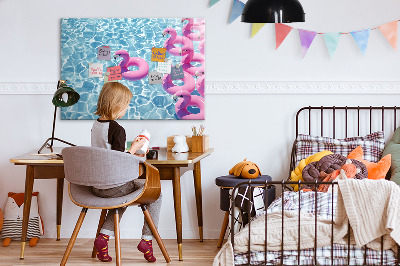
106,133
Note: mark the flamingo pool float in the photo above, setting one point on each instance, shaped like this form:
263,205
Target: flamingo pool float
128,61
187,30
171,88
190,56
201,46
175,39
185,99
200,82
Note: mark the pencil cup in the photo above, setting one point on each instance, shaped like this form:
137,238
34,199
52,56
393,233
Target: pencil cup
200,143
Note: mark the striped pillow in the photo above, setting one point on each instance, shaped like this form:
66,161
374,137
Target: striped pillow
372,145
13,228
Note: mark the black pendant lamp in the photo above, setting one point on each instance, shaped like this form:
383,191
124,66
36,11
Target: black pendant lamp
273,11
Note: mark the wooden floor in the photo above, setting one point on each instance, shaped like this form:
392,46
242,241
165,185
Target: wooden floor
50,252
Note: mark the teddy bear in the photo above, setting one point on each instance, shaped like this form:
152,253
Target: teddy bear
245,169
13,215
180,144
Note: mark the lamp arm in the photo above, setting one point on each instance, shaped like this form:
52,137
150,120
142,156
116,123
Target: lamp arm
54,126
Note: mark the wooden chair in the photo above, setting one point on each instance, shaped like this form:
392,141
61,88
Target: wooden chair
85,167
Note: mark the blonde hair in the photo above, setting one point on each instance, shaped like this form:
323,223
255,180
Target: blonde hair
113,99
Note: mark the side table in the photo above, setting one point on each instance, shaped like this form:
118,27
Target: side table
228,182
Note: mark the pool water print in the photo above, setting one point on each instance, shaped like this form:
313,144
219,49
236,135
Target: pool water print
177,96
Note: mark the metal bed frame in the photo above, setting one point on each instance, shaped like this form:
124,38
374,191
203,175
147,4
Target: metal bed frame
283,184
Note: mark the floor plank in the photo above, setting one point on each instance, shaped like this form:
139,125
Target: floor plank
49,252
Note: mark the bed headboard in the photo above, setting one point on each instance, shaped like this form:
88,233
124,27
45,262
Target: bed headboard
344,121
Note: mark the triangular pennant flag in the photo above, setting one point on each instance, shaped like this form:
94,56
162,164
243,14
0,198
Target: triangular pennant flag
237,9
306,39
332,41
361,37
213,2
389,30
281,31
255,28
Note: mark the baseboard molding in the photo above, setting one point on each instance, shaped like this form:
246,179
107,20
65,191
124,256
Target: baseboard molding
248,87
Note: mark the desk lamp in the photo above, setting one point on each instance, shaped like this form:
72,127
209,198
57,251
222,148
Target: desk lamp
273,11
64,96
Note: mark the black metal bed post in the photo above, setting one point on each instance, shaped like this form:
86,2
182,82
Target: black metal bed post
315,222
298,238
249,220
333,192
266,220
283,211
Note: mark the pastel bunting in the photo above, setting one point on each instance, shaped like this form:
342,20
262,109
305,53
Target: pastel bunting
389,30
213,2
256,27
237,8
281,31
332,41
306,39
361,37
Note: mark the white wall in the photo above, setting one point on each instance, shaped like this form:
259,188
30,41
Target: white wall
257,126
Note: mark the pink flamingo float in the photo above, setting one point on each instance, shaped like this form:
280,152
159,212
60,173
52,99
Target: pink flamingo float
201,46
188,29
170,43
128,61
185,99
189,57
200,82
189,84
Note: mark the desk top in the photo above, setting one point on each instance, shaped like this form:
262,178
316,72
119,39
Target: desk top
164,157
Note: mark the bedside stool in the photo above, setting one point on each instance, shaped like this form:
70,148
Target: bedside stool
228,182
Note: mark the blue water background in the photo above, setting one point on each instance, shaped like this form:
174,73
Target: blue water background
80,38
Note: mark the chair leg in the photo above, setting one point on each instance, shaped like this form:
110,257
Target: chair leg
154,230
73,236
117,239
101,222
223,229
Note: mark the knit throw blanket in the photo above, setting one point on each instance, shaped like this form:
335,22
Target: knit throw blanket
371,206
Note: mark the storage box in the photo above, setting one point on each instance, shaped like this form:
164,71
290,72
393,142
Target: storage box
200,143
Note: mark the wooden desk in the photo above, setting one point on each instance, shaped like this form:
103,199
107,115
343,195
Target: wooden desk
168,164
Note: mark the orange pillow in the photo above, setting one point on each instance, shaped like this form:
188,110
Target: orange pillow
375,170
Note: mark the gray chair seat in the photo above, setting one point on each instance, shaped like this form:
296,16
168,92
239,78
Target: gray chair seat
82,195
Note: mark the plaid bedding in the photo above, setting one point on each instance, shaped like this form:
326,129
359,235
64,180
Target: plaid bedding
306,202
372,145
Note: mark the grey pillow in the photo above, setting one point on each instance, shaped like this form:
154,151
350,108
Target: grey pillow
393,148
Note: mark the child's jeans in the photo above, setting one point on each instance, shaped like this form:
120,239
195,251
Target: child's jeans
154,208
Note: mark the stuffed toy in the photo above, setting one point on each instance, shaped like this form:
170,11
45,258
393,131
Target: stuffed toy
13,215
375,170
245,169
296,174
1,220
180,144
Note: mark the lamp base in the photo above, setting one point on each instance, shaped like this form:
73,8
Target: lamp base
50,146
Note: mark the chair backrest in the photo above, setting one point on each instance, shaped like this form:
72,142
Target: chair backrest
92,166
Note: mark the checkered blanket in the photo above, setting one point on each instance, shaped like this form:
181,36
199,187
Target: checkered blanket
323,205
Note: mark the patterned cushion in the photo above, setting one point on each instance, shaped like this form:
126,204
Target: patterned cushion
372,144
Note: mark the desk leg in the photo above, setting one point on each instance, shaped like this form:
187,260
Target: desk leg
199,204
176,182
27,206
60,190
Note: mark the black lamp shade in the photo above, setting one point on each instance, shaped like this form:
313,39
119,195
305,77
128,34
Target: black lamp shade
273,11
73,96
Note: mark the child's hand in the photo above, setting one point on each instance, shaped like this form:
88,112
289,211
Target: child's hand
137,144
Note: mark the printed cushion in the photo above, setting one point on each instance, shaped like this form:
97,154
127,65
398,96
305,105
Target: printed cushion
372,144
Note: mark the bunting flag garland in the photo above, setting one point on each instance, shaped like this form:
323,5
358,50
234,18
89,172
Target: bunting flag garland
281,31
332,41
213,2
237,8
256,27
361,37
306,39
389,30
